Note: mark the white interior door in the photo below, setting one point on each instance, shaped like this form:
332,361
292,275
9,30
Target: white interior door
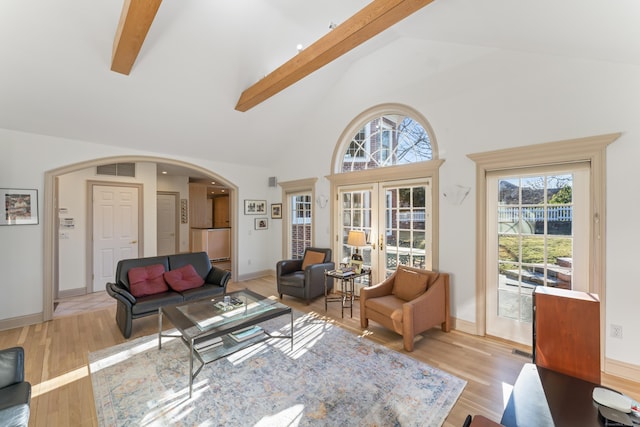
537,235
167,225
115,230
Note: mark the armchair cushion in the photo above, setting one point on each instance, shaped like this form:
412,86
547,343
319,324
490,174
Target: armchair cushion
409,285
183,278
312,257
147,280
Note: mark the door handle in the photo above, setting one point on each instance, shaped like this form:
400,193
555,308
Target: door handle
381,243
133,242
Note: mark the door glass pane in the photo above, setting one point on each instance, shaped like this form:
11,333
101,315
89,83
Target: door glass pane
535,242
356,215
406,235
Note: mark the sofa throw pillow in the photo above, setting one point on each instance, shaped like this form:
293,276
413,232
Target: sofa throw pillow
147,280
183,278
312,257
409,285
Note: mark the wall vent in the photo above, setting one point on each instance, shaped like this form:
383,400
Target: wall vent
117,169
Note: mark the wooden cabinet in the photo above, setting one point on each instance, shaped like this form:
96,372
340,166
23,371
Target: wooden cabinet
216,242
221,211
199,207
566,332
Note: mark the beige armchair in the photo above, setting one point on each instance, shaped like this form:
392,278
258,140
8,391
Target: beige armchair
408,302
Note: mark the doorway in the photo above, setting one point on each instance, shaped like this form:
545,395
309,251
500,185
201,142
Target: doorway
115,214
52,211
589,150
537,235
396,218
167,227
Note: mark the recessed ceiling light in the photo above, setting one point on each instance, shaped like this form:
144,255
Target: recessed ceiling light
164,172
213,182
299,47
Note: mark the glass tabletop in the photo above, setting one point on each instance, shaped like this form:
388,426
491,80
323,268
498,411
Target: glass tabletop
211,313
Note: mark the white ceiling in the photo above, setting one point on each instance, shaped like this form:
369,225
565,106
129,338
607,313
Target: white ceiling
200,55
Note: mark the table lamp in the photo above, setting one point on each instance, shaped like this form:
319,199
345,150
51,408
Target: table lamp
356,239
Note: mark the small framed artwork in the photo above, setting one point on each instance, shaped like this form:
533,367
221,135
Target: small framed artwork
184,211
255,207
20,206
261,223
276,211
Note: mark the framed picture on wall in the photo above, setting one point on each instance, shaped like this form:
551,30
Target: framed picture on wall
261,223
20,206
276,211
255,207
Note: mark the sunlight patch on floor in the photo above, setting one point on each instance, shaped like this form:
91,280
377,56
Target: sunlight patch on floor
123,355
506,393
59,381
290,417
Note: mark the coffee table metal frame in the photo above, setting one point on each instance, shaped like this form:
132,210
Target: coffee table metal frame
192,334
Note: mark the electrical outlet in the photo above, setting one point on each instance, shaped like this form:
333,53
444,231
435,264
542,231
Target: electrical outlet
616,331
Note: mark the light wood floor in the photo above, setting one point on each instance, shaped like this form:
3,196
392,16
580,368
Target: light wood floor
57,354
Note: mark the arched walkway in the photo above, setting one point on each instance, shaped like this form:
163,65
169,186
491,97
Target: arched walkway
51,214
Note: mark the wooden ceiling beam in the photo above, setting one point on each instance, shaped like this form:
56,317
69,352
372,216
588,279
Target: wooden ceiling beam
135,21
374,18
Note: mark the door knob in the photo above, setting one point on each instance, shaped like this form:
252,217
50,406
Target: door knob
133,242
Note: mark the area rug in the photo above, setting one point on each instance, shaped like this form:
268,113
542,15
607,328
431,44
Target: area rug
332,377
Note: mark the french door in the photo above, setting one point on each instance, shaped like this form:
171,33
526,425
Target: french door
396,218
538,234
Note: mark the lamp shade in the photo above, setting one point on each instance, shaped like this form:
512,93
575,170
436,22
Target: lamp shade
356,238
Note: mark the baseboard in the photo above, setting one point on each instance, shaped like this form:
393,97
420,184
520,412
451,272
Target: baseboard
21,321
255,275
72,293
463,326
622,369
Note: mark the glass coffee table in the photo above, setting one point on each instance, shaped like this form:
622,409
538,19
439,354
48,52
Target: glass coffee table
213,328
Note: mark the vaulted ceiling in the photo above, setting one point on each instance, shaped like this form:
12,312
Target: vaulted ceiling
199,56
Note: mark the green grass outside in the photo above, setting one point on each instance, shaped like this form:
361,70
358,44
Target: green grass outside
533,249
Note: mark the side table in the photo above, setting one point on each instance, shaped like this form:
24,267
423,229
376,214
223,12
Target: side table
348,280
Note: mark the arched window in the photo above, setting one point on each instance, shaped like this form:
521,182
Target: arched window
387,140
385,183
